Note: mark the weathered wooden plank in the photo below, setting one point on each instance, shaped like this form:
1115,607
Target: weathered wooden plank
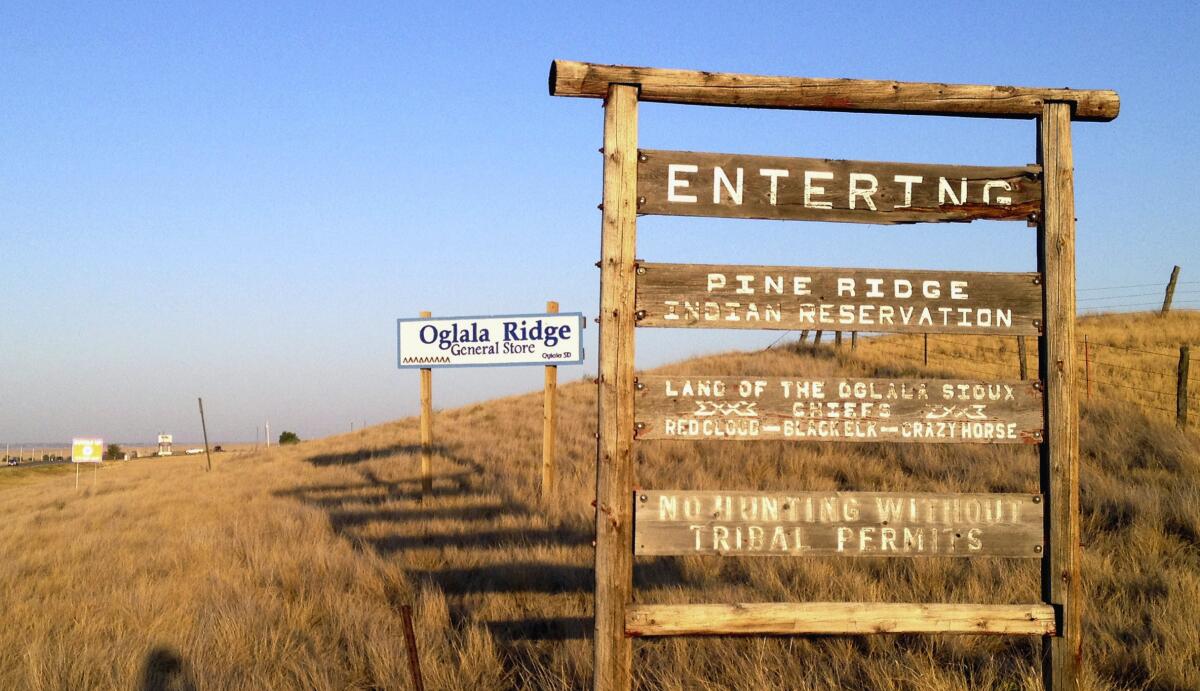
792,298
687,183
747,408
613,653
570,78
1060,465
836,618
852,524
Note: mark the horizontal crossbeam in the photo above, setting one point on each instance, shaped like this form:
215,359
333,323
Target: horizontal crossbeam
836,618
569,78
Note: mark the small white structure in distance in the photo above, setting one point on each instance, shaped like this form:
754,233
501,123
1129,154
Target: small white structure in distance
164,445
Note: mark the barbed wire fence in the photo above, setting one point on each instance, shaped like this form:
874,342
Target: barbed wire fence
1157,381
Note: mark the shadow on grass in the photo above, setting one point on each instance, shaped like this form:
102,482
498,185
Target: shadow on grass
540,577
360,511
546,629
362,455
164,670
504,539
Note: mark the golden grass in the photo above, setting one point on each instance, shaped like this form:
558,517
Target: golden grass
287,569
1133,357
21,475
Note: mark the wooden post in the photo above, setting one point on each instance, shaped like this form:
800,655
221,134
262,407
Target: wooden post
1170,292
803,336
1022,363
926,349
837,339
817,337
1087,368
1181,388
426,426
613,651
549,415
1062,588
853,340
204,429
410,640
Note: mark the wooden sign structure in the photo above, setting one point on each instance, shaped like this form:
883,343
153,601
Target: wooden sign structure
855,524
838,409
685,183
733,185
876,300
548,339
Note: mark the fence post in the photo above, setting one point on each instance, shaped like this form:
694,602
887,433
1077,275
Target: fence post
1021,363
1181,388
837,340
1170,292
853,340
410,640
803,336
926,349
1087,367
549,415
817,338
426,425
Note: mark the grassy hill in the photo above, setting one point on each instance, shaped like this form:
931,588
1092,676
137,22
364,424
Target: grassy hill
287,569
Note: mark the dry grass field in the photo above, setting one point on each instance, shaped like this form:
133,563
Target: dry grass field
287,569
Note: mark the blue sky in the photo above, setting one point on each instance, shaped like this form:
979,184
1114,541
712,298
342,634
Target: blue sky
236,202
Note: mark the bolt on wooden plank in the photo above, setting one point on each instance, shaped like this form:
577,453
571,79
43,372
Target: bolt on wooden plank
792,298
687,183
838,409
850,524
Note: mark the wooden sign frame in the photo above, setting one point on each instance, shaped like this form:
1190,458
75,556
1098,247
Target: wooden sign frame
1058,618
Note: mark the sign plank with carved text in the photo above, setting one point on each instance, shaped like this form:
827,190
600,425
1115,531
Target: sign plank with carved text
875,300
852,524
745,408
687,183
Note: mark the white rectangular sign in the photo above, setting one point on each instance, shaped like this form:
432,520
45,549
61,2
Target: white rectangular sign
87,450
488,341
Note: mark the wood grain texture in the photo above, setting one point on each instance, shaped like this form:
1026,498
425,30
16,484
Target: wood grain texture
749,408
549,423
426,426
591,80
792,298
837,618
848,524
1060,465
614,463
779,188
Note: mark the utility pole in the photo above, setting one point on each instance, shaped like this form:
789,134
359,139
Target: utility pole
204,428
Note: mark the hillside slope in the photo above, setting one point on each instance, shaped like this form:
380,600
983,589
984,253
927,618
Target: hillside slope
287,569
